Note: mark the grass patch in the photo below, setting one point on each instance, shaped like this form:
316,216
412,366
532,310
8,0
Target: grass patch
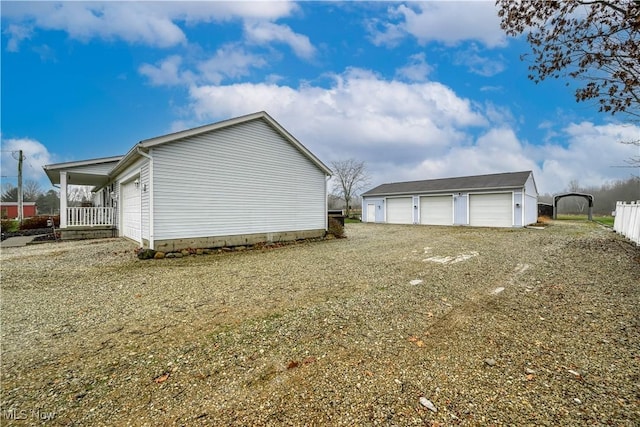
605,220
602,219
352,221
572,217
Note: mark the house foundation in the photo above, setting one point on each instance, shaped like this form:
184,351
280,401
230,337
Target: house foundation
171,245
81,233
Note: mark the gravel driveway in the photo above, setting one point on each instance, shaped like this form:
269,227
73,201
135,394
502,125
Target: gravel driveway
395,325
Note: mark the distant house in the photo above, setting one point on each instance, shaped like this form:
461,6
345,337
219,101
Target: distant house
10,209
235,182
497,200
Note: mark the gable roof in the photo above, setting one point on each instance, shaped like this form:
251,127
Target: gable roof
119,163
464,183
144,145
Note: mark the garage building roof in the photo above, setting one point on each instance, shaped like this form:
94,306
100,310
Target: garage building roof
464,183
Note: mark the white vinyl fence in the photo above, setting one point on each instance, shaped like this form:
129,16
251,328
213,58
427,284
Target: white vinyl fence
627,220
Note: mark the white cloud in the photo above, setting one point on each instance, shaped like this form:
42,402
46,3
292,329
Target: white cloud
412,131
446,22
167,72
17,33
402,123
482,65
385,33
591,155
131,22
229,61
148,23
35,155
497,150
261,32
416,70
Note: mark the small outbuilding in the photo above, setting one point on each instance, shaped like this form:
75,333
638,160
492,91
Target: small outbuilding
10,209
240,181
496,200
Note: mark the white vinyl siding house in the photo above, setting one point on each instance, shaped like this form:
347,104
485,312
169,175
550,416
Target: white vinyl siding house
241,181
496,200
251,182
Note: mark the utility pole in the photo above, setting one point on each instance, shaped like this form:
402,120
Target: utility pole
20,198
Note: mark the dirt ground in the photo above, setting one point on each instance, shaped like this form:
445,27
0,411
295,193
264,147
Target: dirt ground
395,325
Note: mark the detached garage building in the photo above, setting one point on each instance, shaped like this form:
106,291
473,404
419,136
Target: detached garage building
496,200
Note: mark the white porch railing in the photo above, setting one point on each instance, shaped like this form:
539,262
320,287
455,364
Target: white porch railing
90,217
627,221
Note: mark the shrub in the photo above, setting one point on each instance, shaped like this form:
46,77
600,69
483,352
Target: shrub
335,227
8,225
39,222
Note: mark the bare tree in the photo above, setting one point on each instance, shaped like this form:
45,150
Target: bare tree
31,190
592,41
9,193
350,177
79,195
574,187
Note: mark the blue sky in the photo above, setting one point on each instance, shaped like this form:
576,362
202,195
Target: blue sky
418,90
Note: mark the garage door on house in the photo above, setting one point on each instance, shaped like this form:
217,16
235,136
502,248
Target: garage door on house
491,210
436,210
400,210
131,210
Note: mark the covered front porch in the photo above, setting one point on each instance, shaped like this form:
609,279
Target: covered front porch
98,220
89,223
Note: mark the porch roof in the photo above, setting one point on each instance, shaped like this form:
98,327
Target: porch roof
94,172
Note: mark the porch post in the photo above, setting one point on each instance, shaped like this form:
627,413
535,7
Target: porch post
63,199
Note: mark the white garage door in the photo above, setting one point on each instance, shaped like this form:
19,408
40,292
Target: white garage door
436,210
400,210
131,211
490,210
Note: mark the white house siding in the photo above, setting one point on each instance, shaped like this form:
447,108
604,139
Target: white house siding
238,180
530,201
377,207
531,209
145,189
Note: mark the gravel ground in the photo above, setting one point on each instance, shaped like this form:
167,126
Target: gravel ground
486,326
30,232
